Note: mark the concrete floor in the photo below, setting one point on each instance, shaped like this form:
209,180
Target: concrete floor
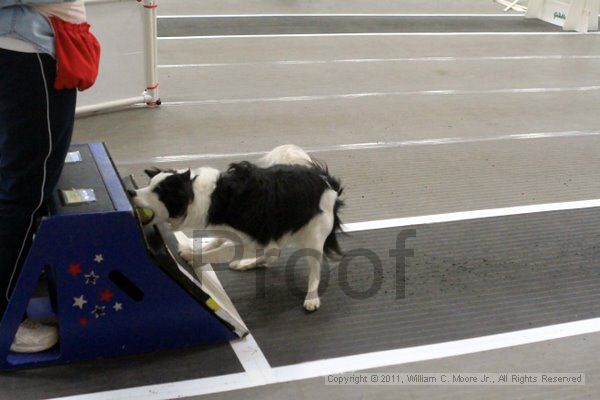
250,102
350,24
247,102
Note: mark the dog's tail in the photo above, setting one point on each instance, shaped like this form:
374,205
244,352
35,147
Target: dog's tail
332,246
331,249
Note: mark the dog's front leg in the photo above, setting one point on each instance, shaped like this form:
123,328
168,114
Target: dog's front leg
312,301
186,247
269,255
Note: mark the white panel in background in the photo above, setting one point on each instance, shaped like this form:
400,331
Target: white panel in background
119,26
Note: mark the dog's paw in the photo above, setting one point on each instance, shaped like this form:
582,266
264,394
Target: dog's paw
244,264
312,304
186,252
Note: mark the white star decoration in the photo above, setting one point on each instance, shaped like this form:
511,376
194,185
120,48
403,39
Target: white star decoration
118,307
79,302
98,258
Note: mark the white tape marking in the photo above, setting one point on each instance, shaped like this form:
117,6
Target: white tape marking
387,60
376,34
253,360
337,15
353,96
366,146
469,215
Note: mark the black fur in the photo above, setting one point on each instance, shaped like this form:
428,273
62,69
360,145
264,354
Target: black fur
267,203
176,192
152,172
332,245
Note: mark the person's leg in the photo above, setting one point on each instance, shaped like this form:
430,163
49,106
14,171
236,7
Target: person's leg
36,123
62,118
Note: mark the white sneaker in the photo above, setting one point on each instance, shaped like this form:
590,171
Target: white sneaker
33,337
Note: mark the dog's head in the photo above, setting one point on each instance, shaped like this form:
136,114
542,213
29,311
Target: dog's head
168,195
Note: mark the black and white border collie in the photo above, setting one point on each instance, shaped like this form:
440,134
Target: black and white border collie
286,199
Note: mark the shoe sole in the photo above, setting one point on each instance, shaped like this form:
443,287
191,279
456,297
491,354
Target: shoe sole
31,349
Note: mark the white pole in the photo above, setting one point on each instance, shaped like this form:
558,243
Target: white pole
151,53
109,105
150,95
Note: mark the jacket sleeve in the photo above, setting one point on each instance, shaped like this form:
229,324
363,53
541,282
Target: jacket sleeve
9,3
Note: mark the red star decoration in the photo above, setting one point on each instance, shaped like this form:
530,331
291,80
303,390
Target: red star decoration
74,270
84,321
106,295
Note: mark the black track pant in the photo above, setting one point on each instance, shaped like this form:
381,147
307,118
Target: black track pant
36,123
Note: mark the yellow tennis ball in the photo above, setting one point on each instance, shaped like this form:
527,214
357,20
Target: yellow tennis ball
145,214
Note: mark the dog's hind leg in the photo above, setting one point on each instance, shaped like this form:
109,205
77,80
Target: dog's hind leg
313,238
213,243
312,301
247,263
314,242
221,254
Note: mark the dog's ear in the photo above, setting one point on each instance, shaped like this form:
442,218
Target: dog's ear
187,175
152,172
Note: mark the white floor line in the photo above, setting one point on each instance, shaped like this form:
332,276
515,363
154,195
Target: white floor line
469,215
353,96
253,360
434,351
289,35
358,362
336,15
246,349
367,146
387,60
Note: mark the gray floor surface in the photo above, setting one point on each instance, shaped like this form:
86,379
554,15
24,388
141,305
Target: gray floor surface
466,279
577,353
331,24
423,180
119,373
